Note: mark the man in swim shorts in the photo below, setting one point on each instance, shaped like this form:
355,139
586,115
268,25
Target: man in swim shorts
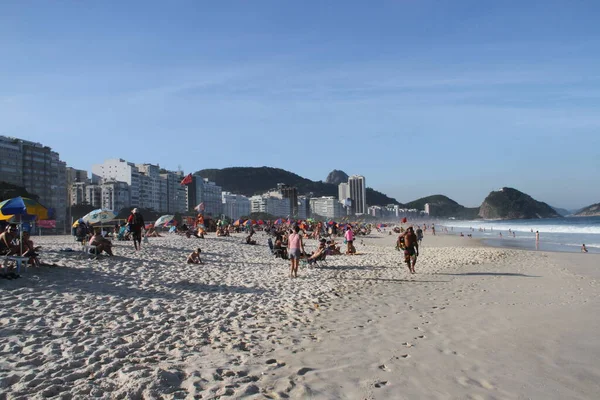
411,249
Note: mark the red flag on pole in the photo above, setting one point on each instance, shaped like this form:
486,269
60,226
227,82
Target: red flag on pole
404,220
187,180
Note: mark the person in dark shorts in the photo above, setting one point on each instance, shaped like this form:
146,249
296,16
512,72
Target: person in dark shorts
411,248
135,222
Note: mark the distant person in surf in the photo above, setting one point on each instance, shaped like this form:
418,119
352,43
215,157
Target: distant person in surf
583,248
537,236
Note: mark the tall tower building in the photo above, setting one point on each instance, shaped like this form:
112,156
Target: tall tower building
358,194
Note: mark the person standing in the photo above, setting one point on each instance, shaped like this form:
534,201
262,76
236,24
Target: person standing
295,250
135,222
349,236
419,233
537,236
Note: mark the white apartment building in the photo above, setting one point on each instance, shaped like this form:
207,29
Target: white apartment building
153,190
115,195
235,205
427,209
274,205
327,206
358,194
78,194
122,171
343,192
377,211
39,170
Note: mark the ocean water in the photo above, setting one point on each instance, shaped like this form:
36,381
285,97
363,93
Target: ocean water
556,234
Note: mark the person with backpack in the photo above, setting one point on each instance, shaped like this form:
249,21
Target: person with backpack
135,223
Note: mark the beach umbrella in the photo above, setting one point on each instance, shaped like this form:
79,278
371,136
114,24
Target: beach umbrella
148,226
332,222
260,222
164,220
278,221
238,222
22,206
250,222
101,215
23,209
404,220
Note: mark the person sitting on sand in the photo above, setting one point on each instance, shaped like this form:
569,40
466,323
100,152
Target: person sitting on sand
29,250
249,239
102,244
332,248
8,246
583,248
151,232
194,257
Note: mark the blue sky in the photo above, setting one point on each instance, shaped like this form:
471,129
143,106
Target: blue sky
421,97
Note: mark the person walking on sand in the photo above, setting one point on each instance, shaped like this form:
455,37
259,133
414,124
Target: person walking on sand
419,233
135,222
583,248
411,248
295,250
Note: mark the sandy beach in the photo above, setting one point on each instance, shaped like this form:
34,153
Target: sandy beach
474,323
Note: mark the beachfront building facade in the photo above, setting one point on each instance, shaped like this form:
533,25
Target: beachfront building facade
122,171
205,195
39,170
235,206
114,195
327,206
343,192
93,195
357,191
377,211
175,192
303,207
426,210
271,203
153,189
149,186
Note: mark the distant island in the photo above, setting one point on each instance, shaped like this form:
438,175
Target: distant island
509,203
589,211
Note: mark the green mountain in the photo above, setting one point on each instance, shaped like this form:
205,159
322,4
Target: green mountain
509,203
444,207
257,180
589,211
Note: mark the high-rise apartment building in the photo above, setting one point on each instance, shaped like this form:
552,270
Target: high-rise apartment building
202,191
235,205
343,193
290,193
39,170
358,194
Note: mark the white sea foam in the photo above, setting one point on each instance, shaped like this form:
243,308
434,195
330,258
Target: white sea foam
528,226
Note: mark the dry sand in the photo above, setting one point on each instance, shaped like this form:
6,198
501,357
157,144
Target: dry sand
475,322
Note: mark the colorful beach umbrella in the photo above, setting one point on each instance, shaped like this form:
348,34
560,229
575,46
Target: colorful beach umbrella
22,206
101,215
260,222
238,222
278,221
164,220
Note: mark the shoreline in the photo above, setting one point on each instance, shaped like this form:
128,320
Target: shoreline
148,324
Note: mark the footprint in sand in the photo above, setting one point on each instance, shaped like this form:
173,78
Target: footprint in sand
380,384
406,344
384,367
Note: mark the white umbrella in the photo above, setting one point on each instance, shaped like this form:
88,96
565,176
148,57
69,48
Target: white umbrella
163,220
101,215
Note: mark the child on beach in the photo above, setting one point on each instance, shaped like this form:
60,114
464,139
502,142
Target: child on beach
583,248
194,257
